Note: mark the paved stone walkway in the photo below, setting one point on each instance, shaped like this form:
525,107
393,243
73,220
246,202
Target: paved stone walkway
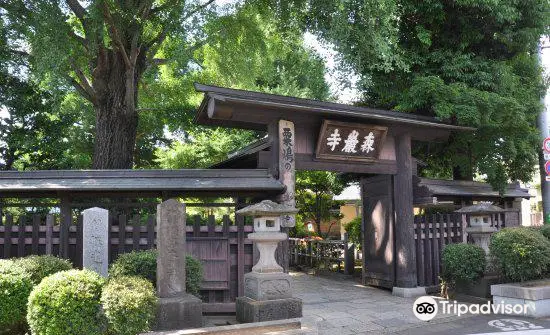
340,306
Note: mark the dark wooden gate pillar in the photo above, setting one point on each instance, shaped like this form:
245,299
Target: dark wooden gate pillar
405,255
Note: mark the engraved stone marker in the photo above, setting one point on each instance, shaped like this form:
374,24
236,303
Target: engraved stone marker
171,248
177,309
95,233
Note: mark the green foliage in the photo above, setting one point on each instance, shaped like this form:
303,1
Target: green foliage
15,288
236,44
204,148
521,253
144,264
193,275
353,228
129,304
315,191
545,230
472,63
136,263
40,267
462,263
67,302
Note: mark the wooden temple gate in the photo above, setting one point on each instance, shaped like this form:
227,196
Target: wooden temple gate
373,145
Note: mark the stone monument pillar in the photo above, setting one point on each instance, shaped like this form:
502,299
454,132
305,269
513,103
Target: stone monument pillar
95,234
177,309
267,289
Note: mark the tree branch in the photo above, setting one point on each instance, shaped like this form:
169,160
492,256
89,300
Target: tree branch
84,84
163,33
198,9
113,31
80,13
79,39
81,89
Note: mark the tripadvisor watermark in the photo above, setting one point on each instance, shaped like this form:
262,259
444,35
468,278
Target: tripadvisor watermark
426,308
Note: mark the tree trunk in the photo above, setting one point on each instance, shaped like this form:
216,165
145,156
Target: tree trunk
116,117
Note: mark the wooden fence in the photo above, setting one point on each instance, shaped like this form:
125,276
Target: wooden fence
330,254
222,247
434,232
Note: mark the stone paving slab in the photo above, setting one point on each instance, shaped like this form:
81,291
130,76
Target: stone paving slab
340,306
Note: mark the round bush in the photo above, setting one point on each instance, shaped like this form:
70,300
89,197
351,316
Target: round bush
40,267
521,253
67,302
144,264
463,262
130,305
15,288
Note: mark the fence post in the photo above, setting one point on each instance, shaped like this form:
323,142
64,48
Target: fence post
296,249
21,236
49,234
349,256
35,233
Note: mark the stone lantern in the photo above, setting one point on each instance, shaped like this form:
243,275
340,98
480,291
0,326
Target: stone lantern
267,289
481,222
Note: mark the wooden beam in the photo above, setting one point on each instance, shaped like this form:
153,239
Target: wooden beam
405,254
308,162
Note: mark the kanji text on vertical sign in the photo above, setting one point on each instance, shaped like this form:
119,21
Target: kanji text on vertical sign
287,164
350,141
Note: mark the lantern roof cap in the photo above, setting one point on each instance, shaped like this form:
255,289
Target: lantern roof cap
480,208
267,207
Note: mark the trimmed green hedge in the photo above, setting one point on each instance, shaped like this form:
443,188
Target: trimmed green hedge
130,305
136,263
15,288
40,267
144,264
67,303
545,230
521,253
463,262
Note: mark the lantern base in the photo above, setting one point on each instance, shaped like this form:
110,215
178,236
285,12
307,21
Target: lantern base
250,310
267,286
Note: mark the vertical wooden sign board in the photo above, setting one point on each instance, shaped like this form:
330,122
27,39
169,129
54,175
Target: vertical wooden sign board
287,169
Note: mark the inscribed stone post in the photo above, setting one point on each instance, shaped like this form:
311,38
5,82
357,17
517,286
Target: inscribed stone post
171,248
95,246
177,309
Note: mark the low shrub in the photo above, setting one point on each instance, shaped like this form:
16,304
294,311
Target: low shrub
67,302
130,305
15,288
136,263
193,275
40,267
462,262
545,230
144,264
521,253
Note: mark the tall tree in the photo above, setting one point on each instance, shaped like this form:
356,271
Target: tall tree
103,48
250,54
469,62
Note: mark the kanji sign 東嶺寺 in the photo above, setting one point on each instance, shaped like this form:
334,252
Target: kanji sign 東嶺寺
350,141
